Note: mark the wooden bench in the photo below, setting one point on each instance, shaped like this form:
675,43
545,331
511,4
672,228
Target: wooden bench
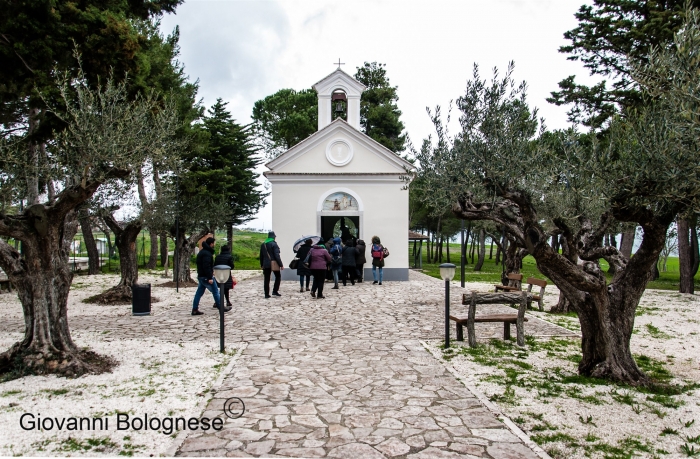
514,284
541,284
493,298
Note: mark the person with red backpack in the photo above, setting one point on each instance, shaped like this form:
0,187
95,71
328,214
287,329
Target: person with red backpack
379,253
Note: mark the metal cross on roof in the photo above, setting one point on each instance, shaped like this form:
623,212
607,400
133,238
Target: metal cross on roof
338,63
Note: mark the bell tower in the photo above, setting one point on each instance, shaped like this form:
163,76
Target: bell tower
336,87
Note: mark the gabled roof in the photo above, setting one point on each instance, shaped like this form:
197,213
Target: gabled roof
339,79
340,124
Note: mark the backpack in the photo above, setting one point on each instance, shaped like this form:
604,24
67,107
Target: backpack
336,255
379,253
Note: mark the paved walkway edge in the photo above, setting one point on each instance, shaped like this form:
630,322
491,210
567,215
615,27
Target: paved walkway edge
492,407
199,409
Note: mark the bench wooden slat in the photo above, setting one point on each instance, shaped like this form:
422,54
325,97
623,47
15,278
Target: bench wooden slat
510,318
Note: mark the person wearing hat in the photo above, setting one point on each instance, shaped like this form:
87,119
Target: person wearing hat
205,276
270,262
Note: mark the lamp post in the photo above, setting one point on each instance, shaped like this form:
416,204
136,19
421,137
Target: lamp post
176,265
447,272
221,273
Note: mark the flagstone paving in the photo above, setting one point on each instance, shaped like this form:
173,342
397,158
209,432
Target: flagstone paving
340,377
347,377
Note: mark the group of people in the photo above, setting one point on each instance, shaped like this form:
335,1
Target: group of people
341,261
333,258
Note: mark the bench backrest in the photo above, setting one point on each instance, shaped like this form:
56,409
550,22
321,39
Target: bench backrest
515,277
537,282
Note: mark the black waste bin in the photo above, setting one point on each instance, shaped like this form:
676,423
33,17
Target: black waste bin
141,300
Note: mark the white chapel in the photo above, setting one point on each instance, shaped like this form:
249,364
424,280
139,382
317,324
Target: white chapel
341,181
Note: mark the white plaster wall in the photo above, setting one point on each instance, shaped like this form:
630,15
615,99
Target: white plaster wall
385,214
314,160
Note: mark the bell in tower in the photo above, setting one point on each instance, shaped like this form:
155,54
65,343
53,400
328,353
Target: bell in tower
340,100
339,97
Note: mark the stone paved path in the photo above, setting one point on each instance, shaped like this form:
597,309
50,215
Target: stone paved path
347,377
342,377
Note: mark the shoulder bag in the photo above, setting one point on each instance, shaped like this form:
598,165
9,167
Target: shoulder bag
273,263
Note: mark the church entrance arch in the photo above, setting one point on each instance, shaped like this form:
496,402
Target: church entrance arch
340,215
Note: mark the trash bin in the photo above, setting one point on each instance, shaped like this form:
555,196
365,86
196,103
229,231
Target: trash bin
141,300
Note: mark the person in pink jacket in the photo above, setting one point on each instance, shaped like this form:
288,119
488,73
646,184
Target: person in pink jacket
319,258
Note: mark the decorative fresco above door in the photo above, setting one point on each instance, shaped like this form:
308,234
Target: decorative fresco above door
340,202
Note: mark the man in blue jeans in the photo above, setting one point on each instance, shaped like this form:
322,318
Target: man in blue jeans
205,275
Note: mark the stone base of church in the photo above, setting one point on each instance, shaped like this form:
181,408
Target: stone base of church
389,274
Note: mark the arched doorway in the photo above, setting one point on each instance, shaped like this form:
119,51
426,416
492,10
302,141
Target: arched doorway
340,216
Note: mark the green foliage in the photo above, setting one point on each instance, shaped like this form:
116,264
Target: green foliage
379,114
39,39
284,119
609,33
218,183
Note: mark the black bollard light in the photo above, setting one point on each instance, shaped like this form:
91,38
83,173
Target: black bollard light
447,272
221,273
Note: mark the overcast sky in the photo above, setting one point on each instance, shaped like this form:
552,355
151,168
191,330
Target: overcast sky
244,50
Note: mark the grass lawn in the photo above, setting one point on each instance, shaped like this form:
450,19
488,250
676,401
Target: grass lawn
246,247
491,272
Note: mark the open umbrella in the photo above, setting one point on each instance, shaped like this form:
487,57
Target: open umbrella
299,242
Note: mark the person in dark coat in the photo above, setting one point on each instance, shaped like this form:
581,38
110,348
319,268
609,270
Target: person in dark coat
205,276
301,270
318,262
336,252
361,259
377,252
269,250
349,266
225,258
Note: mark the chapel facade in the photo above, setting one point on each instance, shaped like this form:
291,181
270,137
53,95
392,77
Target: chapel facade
339,182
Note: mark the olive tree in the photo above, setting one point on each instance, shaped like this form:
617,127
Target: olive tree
105,134
499,170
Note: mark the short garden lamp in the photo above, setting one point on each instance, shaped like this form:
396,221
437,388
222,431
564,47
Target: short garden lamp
447,272
221,273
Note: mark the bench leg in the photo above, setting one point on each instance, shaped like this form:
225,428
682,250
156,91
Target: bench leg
460,332
506,331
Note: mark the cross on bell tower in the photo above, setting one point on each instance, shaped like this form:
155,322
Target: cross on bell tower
338,63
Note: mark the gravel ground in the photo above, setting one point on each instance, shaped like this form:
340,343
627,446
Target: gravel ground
539,389
155,376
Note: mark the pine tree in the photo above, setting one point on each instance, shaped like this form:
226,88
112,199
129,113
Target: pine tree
379,114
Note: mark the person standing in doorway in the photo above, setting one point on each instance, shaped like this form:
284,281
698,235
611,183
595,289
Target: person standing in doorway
349,263
205,276
318,263
360,259
270,262
226,258
377,259
302,271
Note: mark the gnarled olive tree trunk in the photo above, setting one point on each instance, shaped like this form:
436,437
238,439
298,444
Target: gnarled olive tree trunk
185,249
125,240
606,311
687,254
42,277
90,244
